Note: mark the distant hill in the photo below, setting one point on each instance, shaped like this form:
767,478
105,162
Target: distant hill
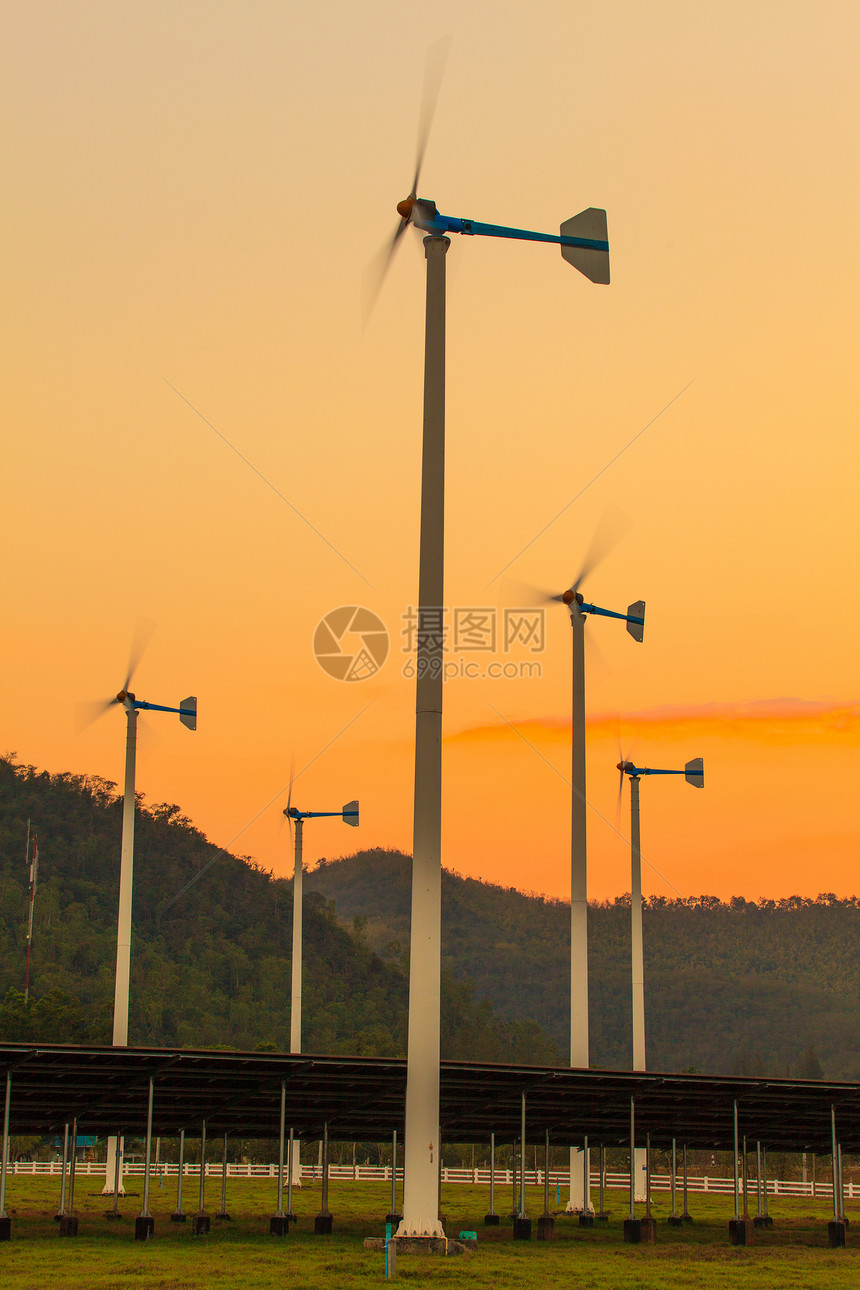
214,969
738,988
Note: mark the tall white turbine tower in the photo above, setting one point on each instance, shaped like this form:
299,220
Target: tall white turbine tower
694,773
187,712
579,1054
349,815
583,242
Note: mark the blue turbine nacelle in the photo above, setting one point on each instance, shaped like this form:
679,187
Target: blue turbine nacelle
584,239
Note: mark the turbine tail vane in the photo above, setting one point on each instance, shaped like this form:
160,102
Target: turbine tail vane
588,226
694,772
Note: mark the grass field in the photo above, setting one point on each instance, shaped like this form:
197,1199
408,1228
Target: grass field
793,1253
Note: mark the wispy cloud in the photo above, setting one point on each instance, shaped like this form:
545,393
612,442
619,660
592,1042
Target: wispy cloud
766,720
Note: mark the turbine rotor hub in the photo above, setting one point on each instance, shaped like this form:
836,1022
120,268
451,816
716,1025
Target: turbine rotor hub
404,208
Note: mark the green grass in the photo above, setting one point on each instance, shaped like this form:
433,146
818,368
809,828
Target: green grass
793,1253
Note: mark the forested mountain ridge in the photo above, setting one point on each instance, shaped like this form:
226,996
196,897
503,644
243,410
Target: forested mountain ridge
768,987
213,970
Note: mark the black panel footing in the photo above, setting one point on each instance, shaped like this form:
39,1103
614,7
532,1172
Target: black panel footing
200,1225
586,1219
686,1218
178,1217
279,1225
394,1219
223,1218
762,1220
546,1228
648,1229
603,1216
522,1229
112,1215
633,1230
675,1220
491,1220
5,1229
323,1224
741,1231
144,1227
68,1225
836,1234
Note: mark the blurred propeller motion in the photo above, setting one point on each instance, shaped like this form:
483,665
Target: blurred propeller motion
434,71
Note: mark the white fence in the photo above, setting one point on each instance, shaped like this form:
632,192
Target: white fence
472,1177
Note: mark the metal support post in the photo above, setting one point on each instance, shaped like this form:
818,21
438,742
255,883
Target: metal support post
632,1159
744,1175
735,1155
836,1227
602,1213
113,1212
279,1213
632,1224
586,1178
62,1210
764,1186
293,1144
393,1216
546,1175
74,1146
148,1155
178,1215
686,1213
201,1223
323,1220
5,1221
648,1174
222,1213
675,1219
834,1161
841,1176
201,1202
522,1205
759,1210
492,1219
144,1225
514,1207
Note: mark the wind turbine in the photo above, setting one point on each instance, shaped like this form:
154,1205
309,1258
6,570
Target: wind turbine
349,815
635,622
187,712
694,773
583,242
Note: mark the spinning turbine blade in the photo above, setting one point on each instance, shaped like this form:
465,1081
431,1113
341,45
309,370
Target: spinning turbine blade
609,532
377,271
527,594
87,713
618,801
375,274
434,71
142,635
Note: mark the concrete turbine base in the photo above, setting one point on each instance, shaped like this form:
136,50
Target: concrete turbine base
420,1245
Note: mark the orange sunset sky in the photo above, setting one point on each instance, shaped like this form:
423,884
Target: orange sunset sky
193,192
